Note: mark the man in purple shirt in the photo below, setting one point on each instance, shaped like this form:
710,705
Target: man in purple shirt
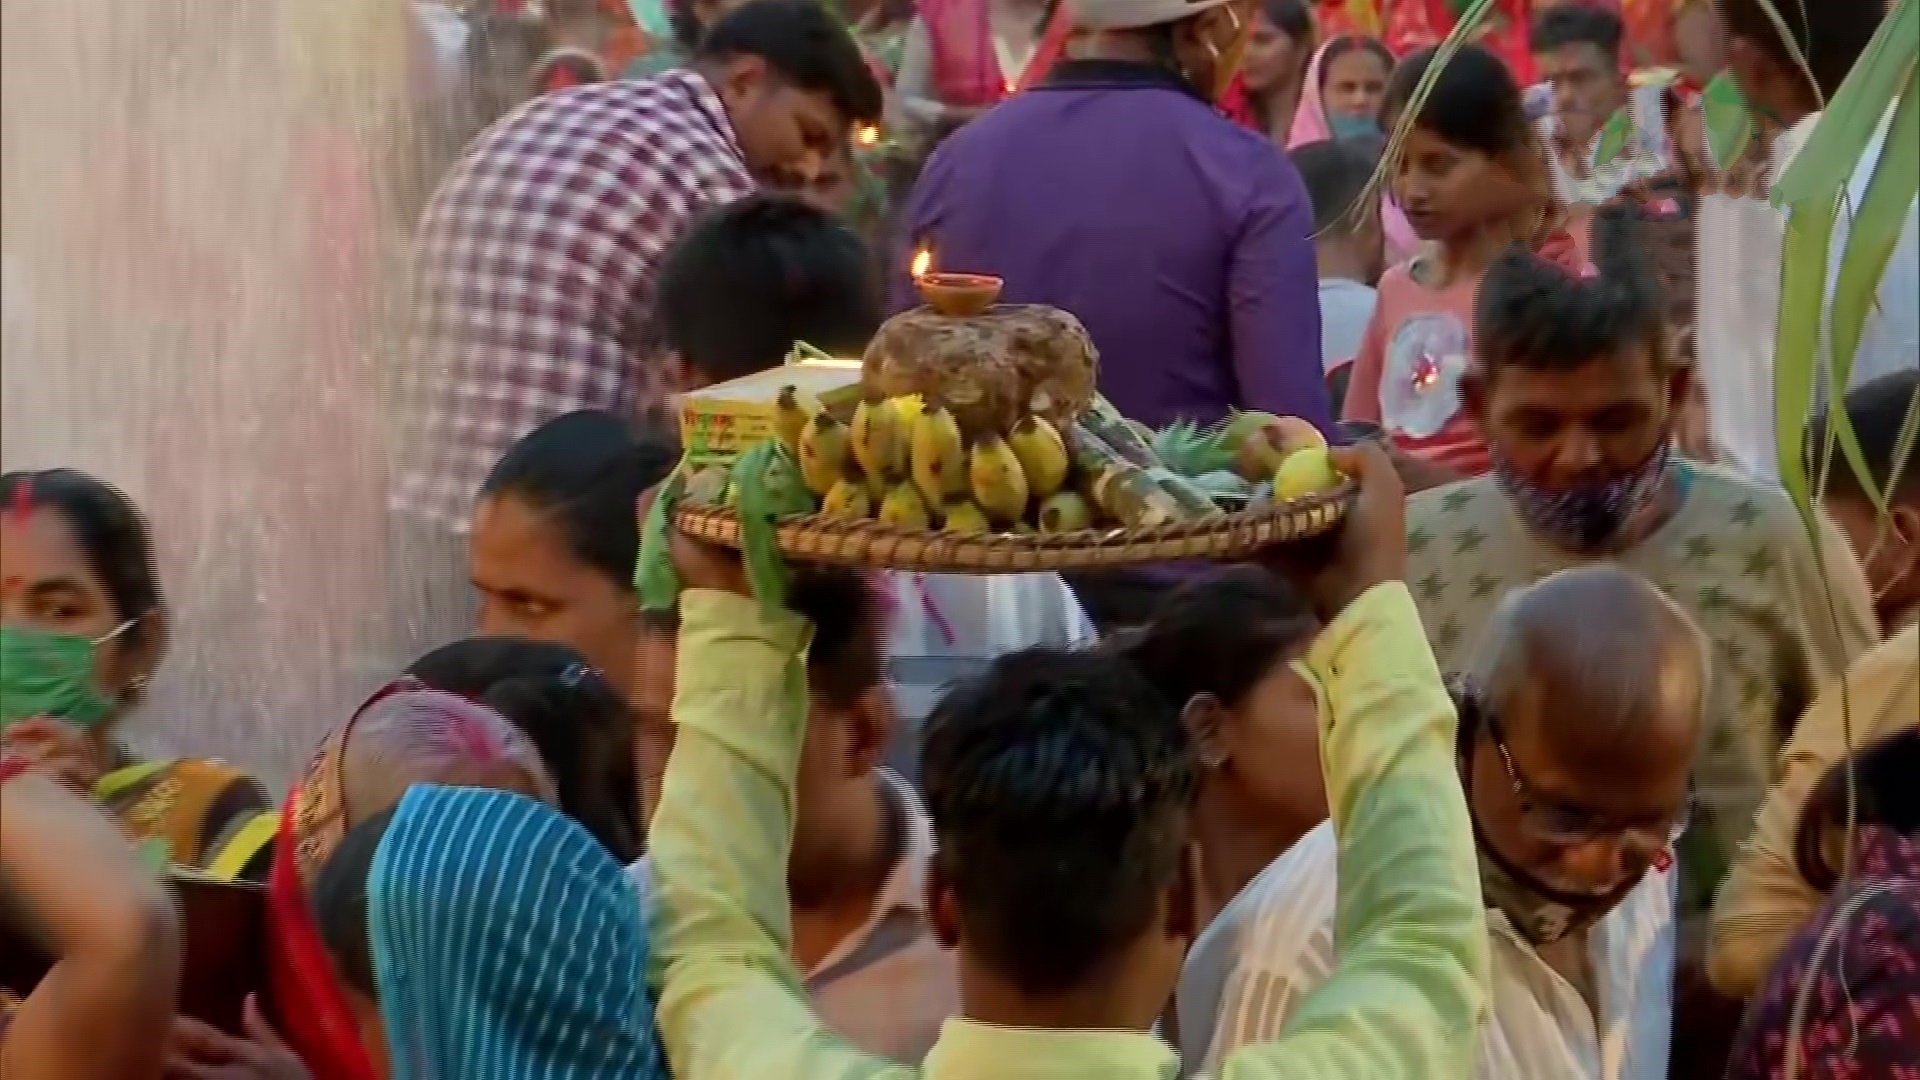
1115,190
1182,240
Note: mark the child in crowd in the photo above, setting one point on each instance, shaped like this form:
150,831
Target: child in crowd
753,277
1349,246
1471,180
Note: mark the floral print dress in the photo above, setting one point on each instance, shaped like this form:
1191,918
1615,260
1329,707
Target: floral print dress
1859,962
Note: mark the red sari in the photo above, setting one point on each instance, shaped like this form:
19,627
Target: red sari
966,70
312,1009
1413,25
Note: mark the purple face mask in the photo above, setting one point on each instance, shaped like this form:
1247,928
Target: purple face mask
1586,516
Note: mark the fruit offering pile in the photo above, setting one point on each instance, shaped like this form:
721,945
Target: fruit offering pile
905,461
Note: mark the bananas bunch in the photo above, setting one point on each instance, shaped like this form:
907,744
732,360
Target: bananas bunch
904,461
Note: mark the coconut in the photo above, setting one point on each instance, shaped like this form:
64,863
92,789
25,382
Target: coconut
990,369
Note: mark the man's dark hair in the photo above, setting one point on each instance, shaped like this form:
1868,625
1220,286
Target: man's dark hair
1831,34
1335,172
1474,102
847,657
754,276
1577,23
805,45
1060,785
1535,314
586,471
1219,635
1878,411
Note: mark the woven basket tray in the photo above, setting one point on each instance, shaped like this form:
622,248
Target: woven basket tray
886,547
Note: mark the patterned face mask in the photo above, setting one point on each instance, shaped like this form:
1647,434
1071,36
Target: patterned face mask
1586,516
49,674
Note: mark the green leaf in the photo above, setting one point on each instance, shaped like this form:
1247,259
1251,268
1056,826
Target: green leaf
1871,238
1613,137
1803,286
1729,126
156,854
768,487
1826,162
654,577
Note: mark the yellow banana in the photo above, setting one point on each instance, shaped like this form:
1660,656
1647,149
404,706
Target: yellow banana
791,411
1065,511
963,516
938,457
823,452
902,507
847,499
1042,453
879,443
999,484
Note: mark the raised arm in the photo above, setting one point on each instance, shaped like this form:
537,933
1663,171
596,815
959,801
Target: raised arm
103,1011
1273,297
1405,1001
732,1007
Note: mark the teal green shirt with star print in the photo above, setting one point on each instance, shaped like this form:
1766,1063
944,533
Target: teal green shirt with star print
1736,557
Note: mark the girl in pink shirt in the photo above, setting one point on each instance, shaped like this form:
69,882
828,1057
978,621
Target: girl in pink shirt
1472,180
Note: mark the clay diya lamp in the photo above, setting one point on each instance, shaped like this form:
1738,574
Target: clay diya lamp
959,295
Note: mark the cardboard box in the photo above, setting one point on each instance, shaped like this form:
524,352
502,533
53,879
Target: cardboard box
718,422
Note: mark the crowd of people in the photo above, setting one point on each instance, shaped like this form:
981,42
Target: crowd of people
1576,753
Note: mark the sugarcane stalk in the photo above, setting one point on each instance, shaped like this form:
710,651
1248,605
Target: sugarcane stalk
1103,422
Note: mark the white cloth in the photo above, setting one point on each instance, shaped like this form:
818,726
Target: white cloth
1346,306
1280,947
1740,243
945,627
1647,153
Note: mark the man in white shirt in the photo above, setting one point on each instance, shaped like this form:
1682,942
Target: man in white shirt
1578,724
1740,238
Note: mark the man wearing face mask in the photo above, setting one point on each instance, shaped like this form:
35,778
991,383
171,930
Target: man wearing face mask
1578,721
1577,388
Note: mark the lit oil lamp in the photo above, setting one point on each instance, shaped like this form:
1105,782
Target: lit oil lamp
952,294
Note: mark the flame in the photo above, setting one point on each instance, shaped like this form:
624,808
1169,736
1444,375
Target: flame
922,262
866,134
1008,83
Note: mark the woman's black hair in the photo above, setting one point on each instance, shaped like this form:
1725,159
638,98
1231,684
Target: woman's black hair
112,534
1535,314
586,472
339,903
1350,43
1219,635
1290,17
581,726
1474,103
1831,34
1885,795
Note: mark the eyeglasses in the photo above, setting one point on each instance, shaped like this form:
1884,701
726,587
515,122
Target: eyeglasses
1570,826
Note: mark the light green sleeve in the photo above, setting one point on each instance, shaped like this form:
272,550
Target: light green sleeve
1407,998
732,1007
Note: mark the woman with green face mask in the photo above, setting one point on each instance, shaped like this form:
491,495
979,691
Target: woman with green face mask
82,629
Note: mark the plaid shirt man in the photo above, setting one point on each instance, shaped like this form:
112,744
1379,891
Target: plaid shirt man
536,265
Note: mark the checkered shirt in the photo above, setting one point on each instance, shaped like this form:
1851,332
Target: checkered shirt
536,264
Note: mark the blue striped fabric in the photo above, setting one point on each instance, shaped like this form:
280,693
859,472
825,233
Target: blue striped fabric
507,944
